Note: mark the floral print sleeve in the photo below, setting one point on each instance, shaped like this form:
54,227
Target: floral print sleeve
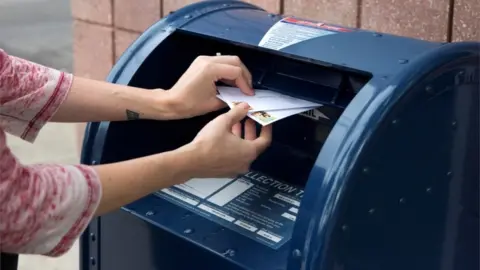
43,208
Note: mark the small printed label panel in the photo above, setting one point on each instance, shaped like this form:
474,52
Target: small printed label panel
254,204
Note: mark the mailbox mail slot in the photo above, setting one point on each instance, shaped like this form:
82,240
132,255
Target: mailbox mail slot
383,176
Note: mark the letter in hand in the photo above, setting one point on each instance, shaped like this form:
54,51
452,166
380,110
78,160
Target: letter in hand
195,93
222,151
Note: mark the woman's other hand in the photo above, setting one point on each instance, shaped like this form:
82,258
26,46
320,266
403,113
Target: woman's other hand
195,93
219,149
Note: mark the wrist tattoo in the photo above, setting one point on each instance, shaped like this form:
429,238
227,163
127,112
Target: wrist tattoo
131,115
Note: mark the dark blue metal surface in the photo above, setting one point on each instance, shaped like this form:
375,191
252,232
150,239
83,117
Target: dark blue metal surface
399,186
394,185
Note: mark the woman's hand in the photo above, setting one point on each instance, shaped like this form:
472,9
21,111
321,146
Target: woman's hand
195,92
219,149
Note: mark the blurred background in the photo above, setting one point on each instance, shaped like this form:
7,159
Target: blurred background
87,36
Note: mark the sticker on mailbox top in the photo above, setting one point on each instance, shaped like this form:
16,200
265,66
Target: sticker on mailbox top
289,31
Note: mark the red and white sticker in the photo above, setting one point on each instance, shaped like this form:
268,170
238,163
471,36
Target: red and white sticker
289,31
317,25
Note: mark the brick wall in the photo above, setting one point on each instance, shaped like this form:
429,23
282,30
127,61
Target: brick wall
103,29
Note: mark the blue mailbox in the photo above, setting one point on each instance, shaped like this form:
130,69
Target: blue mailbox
384,176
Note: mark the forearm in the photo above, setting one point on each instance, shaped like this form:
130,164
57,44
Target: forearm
46,207
93,101
128,181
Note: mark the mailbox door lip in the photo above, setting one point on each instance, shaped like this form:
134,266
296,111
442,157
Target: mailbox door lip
332,49
319,209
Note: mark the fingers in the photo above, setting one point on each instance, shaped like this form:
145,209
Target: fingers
261,143
237,129
234,61
236,114
250,130
233,73
243,78
264,140
229,82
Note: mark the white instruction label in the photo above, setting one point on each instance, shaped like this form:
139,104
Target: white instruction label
204,187
289,31
254,204
314,114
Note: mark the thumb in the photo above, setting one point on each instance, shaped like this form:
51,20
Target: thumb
237,113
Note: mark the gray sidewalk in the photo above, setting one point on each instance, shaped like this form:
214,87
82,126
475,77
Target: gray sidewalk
41,31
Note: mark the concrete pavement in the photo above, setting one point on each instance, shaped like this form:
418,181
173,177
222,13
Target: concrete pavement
38,30
41,31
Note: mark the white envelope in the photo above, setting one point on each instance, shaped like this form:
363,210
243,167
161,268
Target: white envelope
263,100
268,117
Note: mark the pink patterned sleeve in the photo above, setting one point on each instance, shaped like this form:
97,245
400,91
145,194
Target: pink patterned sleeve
43,208
30,94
